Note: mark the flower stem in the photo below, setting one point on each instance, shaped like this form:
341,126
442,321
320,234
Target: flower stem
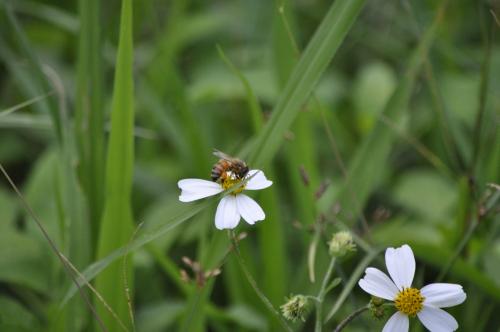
321,296
349,318
253,283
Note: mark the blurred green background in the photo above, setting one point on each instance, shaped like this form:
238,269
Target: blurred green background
398,142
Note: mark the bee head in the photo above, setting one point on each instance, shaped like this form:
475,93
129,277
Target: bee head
242,170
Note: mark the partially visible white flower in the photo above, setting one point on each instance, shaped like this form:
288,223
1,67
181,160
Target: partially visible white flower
233,206
424,303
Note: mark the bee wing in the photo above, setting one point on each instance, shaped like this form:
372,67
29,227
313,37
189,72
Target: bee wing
222,155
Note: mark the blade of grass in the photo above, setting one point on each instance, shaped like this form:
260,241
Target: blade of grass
89,113
55,249
306,74
60,18
299,150
251,280
252,101
72,217
19,106
117,224
271,232
355,276
479,130
370,160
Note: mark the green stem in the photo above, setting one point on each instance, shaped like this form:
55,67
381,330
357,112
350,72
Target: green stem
355,275
253,283
459,249
321,296
350,318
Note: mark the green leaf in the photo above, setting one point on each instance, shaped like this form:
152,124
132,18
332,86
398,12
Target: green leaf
23,261
159,316
426,193
16,318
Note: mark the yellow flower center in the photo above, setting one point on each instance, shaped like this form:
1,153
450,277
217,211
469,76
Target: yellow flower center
409,301
231,180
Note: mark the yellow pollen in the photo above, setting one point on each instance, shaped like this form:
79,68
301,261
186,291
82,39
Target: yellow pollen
231,180
409,301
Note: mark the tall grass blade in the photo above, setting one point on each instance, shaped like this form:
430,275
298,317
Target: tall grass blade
370,160
304,77
117,226
89,113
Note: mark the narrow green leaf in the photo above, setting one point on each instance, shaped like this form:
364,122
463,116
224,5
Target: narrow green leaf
117,225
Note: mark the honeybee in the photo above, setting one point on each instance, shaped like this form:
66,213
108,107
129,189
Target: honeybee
228,166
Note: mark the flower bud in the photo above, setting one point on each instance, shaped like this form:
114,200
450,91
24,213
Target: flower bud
295,308
376,307
340,244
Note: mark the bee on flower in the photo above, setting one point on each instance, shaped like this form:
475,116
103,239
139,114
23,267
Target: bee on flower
228,173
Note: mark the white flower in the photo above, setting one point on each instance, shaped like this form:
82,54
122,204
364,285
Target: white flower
232,206
424,303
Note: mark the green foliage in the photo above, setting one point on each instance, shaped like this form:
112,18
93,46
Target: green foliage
371,117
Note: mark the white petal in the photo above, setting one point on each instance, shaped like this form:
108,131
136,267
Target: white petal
227,215
443,295
249,209
194,189
379,284
400,264
397,323
437,320
258,181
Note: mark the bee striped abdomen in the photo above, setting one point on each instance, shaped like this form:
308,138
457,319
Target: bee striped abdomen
219,169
